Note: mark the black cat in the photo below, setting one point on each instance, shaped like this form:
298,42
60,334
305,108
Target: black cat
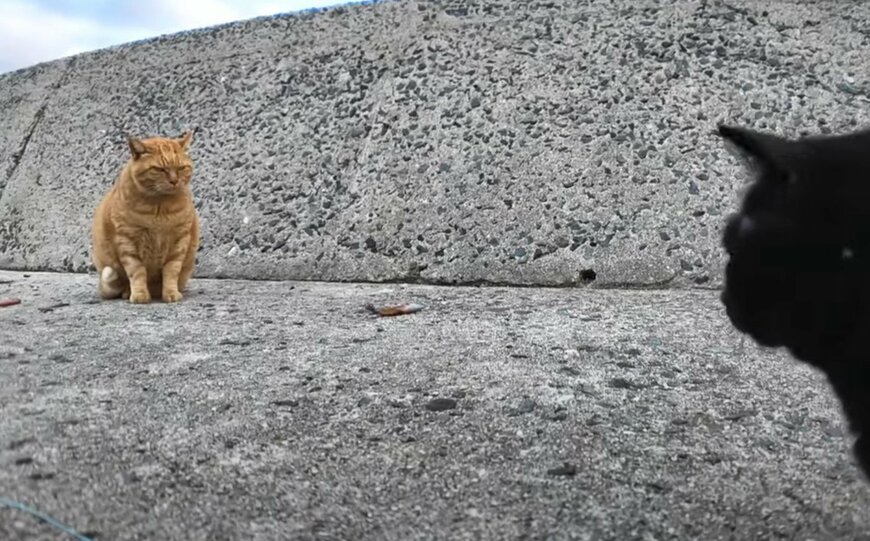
798,273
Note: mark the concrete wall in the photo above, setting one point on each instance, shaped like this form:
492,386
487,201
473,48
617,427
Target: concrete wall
512,141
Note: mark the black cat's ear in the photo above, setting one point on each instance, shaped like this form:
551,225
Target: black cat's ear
763,148
137,147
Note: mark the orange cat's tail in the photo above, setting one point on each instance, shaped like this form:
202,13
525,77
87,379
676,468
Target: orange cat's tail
110,285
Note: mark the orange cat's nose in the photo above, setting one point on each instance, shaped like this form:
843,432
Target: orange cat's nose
173,178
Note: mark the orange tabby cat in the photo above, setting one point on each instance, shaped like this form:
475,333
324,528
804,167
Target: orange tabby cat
146,229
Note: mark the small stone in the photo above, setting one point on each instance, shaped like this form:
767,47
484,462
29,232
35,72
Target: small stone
834,432
565,470
621,383
53,307
740,414
848,88
233,341
527,405
658,486
441,404
713,459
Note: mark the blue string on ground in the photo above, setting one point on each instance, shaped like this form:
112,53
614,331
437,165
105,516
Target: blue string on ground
43,517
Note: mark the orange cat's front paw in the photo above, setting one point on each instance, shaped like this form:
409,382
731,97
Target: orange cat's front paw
172,296
140,297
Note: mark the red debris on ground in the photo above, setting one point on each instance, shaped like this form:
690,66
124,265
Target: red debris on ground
395,310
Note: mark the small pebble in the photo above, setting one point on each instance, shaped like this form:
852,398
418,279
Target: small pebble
527,405
620,383
565,470
441,404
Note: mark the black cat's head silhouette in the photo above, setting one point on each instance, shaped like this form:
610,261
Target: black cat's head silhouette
798,271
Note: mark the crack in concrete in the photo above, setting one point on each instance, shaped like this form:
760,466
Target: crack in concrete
22,148
37,118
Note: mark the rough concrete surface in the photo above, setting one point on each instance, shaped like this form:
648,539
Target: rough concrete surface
504,141
279,410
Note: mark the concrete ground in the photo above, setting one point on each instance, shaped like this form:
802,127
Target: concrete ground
279,410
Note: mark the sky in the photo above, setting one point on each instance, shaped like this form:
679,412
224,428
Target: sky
33,31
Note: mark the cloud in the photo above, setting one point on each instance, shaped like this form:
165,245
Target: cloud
43,30
29,34
188,14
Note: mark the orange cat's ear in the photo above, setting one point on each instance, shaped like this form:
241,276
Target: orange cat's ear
137,148
185,139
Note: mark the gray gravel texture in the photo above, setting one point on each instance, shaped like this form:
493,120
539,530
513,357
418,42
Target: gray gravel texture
281,410
498,141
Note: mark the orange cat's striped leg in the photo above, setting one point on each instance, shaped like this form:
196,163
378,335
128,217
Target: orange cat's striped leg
138,275
170,281
187,268
111,285
172,270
